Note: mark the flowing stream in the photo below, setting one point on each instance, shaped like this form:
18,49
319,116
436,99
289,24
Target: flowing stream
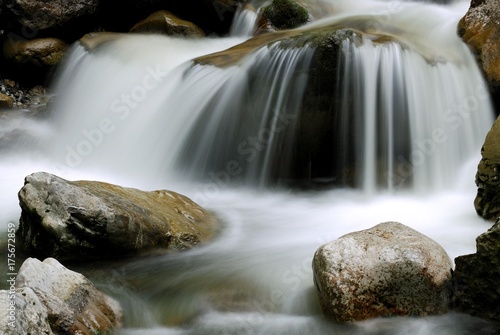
138,112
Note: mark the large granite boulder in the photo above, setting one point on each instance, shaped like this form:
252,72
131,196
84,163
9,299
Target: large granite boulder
164,22
477,277
480,29
85,219
50,299
386,270
487,201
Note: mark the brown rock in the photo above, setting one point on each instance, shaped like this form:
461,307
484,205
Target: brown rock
164,22
6,101
40,52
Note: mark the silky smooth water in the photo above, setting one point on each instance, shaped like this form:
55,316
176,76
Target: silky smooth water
129,112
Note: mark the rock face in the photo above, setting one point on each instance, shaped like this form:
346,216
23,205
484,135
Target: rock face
487,202
50,299
477,277
83,219
164,22
480,29
386,270
39,52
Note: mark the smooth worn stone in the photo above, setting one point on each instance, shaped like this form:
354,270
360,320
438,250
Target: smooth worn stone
89,219
39,52
386,270
73,304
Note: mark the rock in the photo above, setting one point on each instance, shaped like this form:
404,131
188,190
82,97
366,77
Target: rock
480,29
487,201
6,101
36,15
73,304
39,52
164,22
24,313
386,270
285,14
477,277
86,219
212,16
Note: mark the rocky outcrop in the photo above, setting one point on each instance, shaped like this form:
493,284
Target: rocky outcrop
39,52
50,299
477,277
386,270
480,29
85,219
164,22
487,201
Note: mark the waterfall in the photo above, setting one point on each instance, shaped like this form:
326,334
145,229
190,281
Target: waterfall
244,22
388,118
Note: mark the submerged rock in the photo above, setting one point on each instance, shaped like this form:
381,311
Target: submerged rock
487,201
82,219
164,22
50,299
477,277
386,270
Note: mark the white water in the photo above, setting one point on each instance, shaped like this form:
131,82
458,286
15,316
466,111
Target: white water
123,117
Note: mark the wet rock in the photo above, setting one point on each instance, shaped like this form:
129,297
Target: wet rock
386,270
24,313
86,219
72,303
480,29
285,14
39,52
164,22
477,277
36,15
487,201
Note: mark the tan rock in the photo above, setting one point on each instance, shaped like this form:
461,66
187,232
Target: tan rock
164,22
40,52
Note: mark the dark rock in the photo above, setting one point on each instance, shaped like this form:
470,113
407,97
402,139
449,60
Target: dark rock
164,22
386,270
477,278
487,201
87,219
285,14
43,14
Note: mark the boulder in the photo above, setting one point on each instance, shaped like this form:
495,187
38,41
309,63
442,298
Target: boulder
43,14
487,201
477,278
386,270
284,14
87,219
24,313
72,304
480,29
164,22
38,52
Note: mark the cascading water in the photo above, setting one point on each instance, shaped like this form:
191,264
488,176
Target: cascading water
409,104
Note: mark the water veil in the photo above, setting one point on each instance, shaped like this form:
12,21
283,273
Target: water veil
289,155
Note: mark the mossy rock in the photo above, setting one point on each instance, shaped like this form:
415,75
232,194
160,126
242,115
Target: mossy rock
285,14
